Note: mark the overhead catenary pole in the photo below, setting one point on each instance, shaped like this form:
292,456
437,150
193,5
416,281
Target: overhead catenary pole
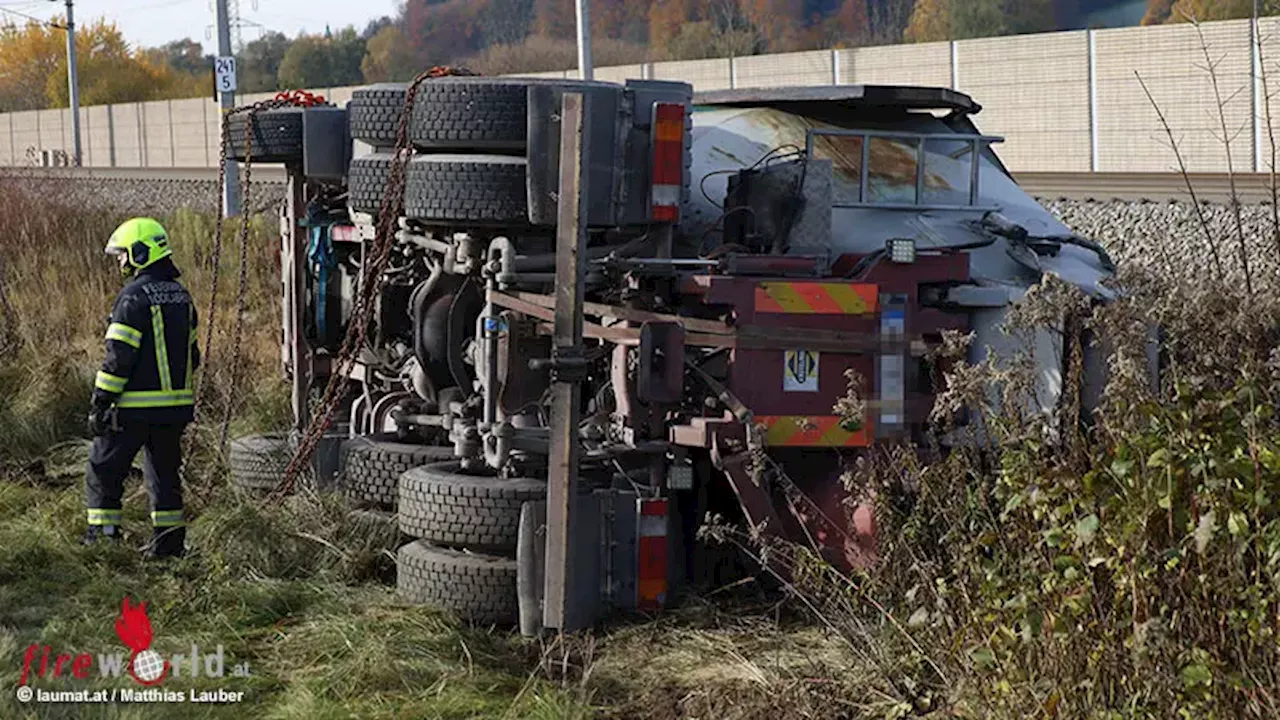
73,86
227,101
585,70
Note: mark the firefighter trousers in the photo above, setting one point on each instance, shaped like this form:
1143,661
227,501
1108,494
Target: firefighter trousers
109,463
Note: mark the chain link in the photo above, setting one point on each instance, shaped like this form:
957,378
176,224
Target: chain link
296,98
371,278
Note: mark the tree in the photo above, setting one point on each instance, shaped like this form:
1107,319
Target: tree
316,61
977,18
388,57
185,56
258,68
705,39
33,68
665,19
506,22
889,20
443,32
847,25
621,19
1206,10
930,21
1030,16
375,26
557,19
28,58
776,20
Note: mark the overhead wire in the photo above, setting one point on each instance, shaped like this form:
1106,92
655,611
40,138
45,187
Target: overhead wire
32,18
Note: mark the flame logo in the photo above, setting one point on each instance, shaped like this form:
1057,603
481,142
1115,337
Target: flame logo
134,629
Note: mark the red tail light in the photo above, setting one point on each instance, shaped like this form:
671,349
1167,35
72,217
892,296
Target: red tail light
651,585
668,161
344,233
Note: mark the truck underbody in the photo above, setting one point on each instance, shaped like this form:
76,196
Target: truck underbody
749,308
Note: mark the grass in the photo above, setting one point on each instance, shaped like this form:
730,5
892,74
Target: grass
317,646
324,639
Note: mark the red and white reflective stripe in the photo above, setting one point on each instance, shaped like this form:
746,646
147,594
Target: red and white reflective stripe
668,161
651,545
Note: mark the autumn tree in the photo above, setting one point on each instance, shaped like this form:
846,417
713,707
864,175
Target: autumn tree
776,20
1206,10
665,20
930,21
33,68
620,19
934,20
446,32
846,25
556,19
388,57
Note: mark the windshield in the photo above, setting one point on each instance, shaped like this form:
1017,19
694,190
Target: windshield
901,168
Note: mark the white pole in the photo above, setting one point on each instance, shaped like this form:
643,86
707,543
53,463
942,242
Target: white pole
585,70
231,188
73,86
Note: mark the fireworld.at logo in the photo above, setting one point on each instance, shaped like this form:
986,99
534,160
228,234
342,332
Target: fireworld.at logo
146,666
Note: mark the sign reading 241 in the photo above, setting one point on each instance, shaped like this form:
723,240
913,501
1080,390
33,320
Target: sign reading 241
224,74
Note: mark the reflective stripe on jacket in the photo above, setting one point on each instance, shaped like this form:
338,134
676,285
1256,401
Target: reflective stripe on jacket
151,354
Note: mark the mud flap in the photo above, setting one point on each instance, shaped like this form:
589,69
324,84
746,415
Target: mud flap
605,547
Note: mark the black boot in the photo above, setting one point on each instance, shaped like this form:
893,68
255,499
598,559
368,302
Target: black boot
170,542
101,533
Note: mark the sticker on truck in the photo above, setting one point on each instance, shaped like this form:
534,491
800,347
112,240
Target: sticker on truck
800,371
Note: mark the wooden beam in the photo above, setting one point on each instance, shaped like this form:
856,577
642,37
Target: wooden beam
566,401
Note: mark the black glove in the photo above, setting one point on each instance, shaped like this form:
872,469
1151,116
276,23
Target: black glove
100,421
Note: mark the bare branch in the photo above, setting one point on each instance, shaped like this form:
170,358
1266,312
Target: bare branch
1186,177
1271,137
1231,177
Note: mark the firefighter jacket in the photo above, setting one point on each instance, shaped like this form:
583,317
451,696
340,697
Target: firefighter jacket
151,350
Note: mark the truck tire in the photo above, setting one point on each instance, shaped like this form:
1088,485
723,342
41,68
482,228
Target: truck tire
258,462
277,136
478,588
470,188
442,504
367,181
372,466
478,114
374,113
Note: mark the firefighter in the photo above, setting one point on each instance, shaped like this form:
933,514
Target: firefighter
143,395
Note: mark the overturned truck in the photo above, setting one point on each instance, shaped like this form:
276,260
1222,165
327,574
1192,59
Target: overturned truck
743,255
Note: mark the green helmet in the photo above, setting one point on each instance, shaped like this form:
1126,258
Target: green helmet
141,242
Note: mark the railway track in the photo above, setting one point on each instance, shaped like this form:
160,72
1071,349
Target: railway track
1251,188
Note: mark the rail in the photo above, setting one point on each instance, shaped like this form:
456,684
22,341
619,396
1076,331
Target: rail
1103,186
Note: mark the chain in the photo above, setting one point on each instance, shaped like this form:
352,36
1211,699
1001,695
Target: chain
296,98
371,278
217,262
251,125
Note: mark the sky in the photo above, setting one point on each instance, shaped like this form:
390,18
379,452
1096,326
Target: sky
155,22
